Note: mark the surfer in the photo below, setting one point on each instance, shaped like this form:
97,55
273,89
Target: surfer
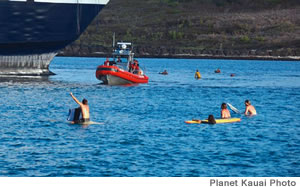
197,75
85,110
250,110
225,113
211,119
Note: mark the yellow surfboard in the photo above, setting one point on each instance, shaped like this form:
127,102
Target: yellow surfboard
228,120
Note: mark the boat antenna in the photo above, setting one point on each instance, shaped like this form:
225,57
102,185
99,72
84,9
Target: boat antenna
114,37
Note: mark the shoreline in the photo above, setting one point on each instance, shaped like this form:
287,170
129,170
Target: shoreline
187,56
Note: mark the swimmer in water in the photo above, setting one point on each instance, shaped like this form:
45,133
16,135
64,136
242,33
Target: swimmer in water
164,72
85,110
250,110
225,113
218,71
197,75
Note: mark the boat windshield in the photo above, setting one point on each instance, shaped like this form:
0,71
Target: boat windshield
122,62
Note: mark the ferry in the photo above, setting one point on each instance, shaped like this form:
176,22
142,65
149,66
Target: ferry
123,69
33,31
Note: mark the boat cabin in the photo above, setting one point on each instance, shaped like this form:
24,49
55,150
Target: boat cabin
122,55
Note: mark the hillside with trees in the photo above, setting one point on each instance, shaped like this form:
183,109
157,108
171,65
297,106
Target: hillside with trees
195,28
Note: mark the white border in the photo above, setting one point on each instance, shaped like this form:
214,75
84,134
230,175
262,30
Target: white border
147,181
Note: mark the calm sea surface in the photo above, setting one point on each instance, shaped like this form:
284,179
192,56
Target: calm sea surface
144,133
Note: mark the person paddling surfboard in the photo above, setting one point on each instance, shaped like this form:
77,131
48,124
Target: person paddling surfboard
85,110
250,110
225,113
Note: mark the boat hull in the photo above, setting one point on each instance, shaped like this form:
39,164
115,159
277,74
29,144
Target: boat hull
32,32
112,75
35,64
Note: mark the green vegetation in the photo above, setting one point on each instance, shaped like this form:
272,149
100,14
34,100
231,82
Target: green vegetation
195,27
245,39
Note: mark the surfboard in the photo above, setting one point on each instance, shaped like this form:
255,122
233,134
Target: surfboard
193,121
74,114
228,120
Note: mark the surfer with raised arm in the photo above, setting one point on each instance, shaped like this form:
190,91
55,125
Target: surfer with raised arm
250,110
85,110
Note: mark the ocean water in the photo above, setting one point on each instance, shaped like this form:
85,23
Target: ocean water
144,134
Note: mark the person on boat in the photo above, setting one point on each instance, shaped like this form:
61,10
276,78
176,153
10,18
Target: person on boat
130,66
136,66
225,113
111,63
106,63
250,110
140,72
135,62
218,71
133,66
85,110
119,59
197,75
164,72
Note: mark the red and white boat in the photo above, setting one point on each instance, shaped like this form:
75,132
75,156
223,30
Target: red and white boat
123,69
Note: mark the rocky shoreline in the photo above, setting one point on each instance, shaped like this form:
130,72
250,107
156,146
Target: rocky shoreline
188,56
90,51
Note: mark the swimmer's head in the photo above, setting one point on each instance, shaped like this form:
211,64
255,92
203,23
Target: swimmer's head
224,106
211,119
84,101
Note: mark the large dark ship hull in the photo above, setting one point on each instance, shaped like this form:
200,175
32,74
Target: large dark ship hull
33,31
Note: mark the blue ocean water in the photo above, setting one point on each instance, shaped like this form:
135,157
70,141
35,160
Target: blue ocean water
144,133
